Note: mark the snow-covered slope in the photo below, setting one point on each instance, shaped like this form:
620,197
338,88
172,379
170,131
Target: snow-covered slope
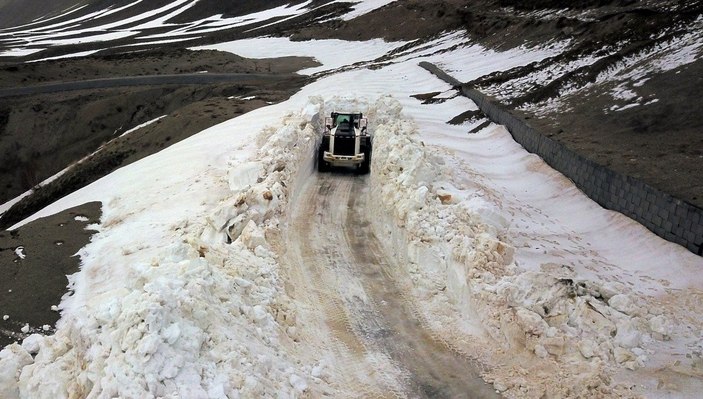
145,26
181,291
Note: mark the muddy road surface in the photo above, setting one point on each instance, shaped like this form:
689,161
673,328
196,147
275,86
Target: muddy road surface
337,268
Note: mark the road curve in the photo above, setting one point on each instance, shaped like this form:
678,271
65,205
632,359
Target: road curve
336,266
147,80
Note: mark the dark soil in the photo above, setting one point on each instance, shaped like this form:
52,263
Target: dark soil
31,286
659,143
18,12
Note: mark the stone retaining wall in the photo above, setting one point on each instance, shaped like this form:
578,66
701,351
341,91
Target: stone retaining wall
668,217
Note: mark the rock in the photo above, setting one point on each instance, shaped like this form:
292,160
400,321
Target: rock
445,197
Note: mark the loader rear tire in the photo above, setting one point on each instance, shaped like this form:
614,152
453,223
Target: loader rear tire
365,167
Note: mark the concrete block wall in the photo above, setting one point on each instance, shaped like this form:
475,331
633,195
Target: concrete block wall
668,217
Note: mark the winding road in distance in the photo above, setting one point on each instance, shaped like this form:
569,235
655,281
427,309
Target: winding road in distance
146,80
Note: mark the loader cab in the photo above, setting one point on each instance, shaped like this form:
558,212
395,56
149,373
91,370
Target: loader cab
346,122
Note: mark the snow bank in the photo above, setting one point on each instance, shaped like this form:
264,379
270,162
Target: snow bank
453,241
203,316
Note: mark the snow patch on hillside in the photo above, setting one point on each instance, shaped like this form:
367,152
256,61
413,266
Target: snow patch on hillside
625,76
332,53
363,7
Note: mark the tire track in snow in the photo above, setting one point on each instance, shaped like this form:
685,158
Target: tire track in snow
363,305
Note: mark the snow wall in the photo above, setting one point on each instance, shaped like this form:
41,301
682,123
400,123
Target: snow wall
666,216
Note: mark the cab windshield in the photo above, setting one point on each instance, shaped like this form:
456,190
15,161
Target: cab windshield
342,118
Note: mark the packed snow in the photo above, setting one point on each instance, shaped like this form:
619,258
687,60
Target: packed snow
180,292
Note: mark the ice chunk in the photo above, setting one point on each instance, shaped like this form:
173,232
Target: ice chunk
252,236
622,303
587,348
610,289
554,345
531,322
298,383
623,355
172,333
541,351
259,313
12,359
628,336
32,343
660,325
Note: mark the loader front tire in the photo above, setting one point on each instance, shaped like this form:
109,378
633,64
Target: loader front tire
322,166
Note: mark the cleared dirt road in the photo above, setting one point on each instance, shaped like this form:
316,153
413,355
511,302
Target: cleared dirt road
337,268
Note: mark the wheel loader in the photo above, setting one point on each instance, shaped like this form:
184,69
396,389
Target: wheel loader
346,142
